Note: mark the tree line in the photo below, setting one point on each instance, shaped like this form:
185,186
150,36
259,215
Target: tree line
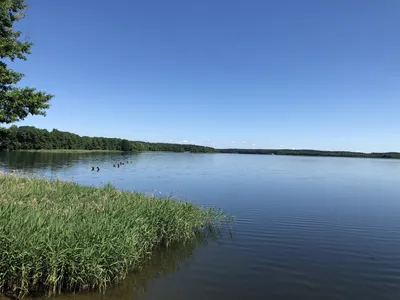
305,152
32,138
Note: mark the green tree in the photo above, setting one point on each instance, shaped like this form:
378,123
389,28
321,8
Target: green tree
29,137
126,145
16,103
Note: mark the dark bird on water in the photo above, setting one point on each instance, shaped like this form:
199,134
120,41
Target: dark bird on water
92,168
98,169
114,165
118,165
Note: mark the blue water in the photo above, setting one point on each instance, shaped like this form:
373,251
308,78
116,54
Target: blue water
306,228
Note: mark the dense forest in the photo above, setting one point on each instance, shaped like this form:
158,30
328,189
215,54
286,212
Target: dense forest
306,152
31,138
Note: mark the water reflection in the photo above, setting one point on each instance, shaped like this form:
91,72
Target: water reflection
164,262
55,160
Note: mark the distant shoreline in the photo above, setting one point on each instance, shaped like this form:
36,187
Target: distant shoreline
282,152
69,151
314,153
32,139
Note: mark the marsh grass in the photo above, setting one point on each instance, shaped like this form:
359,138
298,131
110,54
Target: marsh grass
59,236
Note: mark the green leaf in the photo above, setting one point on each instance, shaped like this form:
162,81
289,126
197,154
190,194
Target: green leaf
16,103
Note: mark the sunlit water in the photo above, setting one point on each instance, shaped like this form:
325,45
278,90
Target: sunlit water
306,228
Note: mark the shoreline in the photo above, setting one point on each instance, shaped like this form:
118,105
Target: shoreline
32,139
312,153
302,153
70,151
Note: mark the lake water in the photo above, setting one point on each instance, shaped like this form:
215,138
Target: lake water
306,228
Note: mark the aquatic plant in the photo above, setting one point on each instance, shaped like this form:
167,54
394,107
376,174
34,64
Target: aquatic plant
60,236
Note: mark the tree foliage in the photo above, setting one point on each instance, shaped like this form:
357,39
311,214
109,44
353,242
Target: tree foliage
126,146
31,138
16,103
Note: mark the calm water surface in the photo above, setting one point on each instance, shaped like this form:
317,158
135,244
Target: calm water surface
307,228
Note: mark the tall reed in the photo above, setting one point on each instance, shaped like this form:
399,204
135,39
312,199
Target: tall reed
57,236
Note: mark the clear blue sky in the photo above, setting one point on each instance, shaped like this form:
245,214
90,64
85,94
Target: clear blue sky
226,73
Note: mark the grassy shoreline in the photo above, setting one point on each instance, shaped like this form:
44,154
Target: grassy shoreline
62,237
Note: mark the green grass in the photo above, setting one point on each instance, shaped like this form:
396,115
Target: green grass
58,236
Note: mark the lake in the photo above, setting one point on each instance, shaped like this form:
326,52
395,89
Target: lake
306,228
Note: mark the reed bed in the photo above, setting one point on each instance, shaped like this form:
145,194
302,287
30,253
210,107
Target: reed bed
59,236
